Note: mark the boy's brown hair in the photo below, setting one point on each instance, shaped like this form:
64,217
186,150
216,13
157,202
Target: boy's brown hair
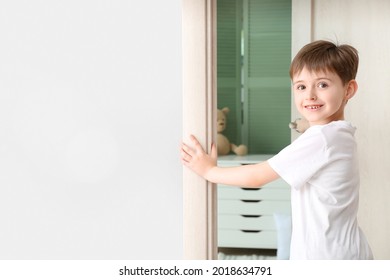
327,56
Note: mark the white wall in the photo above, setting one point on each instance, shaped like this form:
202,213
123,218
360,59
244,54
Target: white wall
90,125
365,25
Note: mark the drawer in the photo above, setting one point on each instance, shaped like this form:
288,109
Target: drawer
246,222
242,239
256,194
253,207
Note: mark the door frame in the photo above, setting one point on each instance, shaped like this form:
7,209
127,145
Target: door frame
199,103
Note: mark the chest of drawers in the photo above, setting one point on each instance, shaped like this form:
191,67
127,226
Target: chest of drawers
245,215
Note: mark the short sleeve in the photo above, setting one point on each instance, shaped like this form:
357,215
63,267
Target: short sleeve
303,158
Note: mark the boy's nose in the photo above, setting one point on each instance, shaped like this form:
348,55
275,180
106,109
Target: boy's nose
311,95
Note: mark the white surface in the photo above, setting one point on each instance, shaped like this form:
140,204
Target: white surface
88,92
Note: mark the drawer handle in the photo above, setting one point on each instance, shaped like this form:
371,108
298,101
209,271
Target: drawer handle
250,231
250,201
251,189
251,216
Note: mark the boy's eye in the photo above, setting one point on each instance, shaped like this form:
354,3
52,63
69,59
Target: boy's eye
301,87
322,85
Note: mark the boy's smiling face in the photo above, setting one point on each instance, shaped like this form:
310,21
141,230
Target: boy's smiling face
320,97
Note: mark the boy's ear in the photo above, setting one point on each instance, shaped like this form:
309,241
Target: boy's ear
352,88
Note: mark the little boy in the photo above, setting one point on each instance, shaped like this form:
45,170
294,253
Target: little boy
321,166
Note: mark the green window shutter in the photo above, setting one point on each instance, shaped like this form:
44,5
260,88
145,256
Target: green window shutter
267,105
229,27
253,59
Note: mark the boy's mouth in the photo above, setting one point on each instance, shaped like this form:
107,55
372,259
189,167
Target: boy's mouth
313,107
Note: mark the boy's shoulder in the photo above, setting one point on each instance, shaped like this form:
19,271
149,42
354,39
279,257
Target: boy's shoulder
329,134
337,127
337,131
331,128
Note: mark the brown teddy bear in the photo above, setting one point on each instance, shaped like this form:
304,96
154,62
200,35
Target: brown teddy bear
224,146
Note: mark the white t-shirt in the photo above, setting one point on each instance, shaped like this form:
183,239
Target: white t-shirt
321,166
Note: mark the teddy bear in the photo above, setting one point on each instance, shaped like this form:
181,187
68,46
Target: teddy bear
224,146
300,125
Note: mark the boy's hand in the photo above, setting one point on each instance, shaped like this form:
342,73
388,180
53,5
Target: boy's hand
197,159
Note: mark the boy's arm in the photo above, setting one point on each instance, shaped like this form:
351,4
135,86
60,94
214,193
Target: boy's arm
205,165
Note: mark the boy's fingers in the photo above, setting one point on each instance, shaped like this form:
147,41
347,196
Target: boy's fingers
198,146
185,163
196,142
184,155
186,150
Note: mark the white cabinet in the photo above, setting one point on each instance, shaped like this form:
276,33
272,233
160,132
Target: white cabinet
245,215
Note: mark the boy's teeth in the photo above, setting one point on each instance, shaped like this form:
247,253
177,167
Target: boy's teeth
313,107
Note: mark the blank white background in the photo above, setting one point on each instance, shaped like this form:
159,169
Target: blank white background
90,125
